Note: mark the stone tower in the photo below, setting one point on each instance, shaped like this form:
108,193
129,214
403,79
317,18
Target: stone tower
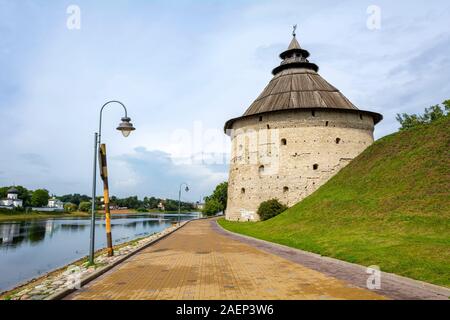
297,134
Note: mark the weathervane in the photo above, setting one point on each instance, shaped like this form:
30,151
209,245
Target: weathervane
294,29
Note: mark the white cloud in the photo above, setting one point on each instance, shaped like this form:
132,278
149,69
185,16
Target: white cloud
145,173
176,64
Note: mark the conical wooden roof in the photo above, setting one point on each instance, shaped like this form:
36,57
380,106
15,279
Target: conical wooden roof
298,88
297,85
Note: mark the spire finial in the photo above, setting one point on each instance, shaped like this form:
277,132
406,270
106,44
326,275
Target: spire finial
294,29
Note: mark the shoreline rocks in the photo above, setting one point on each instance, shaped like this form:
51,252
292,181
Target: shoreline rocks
71,276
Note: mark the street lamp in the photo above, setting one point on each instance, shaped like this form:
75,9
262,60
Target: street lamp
126,127
179,199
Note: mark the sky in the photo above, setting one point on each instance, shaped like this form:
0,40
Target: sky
183,68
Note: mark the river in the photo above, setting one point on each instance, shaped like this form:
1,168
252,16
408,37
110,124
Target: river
32,248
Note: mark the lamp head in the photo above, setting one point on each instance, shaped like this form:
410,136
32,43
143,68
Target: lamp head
187,189
126,127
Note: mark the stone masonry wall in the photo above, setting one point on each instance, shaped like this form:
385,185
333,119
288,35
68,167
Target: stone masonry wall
288,155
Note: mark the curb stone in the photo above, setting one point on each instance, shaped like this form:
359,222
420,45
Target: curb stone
398,287
62,294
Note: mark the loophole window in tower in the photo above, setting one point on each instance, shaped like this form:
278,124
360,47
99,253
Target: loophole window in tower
315,166
261,169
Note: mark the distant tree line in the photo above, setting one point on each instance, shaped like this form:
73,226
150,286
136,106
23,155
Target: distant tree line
78,202
431,114
74,198
83,203
150,203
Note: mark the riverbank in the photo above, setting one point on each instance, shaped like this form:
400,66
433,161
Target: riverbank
37,215
61,279
6,217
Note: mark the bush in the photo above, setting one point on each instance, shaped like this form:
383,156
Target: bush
85,206
269,209
40,198
70,207
141,210
431,114
212,207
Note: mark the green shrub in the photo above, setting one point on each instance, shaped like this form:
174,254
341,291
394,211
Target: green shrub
141,210
212,207
85,206
70,207
269,209
40,198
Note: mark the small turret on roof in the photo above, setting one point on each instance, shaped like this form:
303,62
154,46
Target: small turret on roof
295,57
13,190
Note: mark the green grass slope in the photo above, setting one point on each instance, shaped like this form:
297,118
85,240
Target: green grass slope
389,207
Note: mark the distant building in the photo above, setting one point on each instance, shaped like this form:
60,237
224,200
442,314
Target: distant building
12,200
55,203
161,206
199,206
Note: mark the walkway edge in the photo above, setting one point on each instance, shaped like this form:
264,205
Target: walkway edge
417,284
62,294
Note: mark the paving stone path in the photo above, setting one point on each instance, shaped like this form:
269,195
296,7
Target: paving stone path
200,261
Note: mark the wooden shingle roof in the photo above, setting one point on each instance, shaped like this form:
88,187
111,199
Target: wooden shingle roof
298,88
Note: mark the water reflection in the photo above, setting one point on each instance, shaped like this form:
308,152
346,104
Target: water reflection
30,248
10,233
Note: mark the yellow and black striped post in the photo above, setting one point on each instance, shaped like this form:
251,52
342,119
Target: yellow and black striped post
104,175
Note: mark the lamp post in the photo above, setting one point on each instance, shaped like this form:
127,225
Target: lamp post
179,199
125,127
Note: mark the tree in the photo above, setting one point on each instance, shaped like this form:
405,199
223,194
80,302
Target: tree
70,207
25,195
212,207
221,194
430,115
85,206
40,198
151,203
269,209
74,198
408,121
3,192
446,104
171,205
217,202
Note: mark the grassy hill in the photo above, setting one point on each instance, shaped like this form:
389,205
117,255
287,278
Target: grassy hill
389,207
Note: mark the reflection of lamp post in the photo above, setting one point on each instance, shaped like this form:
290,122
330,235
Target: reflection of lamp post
125,127
179,199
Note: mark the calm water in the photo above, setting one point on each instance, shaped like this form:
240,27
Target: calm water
32,248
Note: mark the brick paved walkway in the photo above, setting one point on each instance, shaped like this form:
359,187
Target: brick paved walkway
197,262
